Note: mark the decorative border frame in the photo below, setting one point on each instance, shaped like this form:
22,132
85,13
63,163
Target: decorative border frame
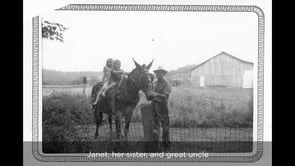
165,8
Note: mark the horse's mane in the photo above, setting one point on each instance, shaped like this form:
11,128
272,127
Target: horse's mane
131,73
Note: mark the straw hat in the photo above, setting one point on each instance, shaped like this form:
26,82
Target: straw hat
161,68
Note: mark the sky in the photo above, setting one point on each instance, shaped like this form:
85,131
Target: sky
172,39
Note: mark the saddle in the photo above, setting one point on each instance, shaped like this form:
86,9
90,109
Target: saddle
117,92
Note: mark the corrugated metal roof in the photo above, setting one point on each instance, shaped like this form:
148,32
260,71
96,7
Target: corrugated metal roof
222,53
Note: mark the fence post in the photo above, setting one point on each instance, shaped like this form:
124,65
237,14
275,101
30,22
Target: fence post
84,83
148,126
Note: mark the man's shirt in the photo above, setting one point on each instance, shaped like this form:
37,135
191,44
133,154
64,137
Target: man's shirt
162,87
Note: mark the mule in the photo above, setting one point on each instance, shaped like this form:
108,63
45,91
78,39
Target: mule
121,101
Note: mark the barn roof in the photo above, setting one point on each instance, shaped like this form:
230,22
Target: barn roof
222,53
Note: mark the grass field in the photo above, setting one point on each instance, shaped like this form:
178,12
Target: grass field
210,115
213,107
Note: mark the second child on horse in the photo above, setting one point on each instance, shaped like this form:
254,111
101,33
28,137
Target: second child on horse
114,76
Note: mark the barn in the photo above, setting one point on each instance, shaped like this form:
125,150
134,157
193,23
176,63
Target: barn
223,70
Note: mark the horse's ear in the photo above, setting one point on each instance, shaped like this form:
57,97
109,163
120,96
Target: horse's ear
136,64
149,65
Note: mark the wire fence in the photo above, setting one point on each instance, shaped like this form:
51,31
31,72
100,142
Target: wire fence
188,138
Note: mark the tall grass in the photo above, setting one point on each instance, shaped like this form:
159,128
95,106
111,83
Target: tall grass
211,107
198,107
61,113
203,107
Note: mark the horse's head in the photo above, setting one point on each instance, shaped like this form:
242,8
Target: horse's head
142,78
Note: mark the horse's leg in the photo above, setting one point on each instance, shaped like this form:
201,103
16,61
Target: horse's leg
126,130
96,123
111,125
118,128
119,122
129,111
98,120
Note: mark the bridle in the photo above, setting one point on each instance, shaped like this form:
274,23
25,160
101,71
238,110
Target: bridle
150,84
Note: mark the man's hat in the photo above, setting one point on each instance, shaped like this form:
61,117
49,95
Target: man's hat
161,68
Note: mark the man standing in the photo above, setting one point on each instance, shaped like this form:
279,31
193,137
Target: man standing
160,108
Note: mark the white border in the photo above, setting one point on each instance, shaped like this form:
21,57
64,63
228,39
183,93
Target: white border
203,8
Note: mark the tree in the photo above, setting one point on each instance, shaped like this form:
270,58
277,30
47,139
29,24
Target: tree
53,31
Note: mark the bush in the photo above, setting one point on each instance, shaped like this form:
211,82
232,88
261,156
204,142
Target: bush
61,113
66,109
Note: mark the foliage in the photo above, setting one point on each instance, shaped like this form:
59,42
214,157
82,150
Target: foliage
202,107
61,113
65,109
68,119
53,31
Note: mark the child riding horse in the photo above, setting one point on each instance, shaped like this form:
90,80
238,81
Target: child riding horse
125,99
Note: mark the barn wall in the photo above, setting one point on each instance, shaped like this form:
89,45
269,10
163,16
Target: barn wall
248,79
195,81
222,70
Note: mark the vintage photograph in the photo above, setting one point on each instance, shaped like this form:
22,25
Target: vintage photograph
153,81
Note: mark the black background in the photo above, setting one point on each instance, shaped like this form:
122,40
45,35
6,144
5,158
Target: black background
12,80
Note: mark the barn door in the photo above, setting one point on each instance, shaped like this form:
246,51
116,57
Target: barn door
202,81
